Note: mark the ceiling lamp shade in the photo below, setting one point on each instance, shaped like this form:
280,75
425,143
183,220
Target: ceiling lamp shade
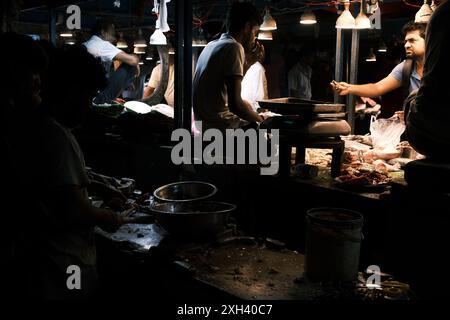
269,23
121,43
265,35
171,50
371,57
382,47
361,21
158,38
308,17
140,41
345,20
424,13
138,50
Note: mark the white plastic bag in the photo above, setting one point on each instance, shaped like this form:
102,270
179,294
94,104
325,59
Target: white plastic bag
386,133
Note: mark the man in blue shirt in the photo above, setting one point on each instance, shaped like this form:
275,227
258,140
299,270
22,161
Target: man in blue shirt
415,50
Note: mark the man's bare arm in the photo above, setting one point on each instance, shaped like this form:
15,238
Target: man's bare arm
367,90
130,59
238,106
75,209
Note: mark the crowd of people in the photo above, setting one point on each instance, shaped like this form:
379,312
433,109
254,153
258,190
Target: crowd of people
48,92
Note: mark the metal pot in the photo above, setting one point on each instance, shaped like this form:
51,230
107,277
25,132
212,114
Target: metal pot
193,219
185,191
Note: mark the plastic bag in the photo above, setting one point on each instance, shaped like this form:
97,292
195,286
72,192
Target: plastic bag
386,133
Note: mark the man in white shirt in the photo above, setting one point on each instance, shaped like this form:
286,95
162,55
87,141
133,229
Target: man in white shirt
217,82
100,46
254,83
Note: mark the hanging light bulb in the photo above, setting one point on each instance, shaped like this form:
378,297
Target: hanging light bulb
138,50
265,35
140,41
345,20
371,57
361,21
158,38
171,50
382,47
199,40
269,23
121,43
424,13
66,34
308,17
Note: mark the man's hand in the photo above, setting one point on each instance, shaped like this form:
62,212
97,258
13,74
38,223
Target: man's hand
111,221
342,88
119,100
112,197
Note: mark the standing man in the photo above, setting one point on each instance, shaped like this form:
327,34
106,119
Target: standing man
100,46
217,82
299,77
254,83
427,113
415,50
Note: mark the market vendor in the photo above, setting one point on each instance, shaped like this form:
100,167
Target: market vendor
407,74
59,232
427,113
155,79
217,96
100,46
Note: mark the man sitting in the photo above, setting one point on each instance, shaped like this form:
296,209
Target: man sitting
100,46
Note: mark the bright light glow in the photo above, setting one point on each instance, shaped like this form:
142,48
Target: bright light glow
308,17
371,57
138,107
265,35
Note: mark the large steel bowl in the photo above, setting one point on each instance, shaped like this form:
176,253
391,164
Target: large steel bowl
193,219
185,191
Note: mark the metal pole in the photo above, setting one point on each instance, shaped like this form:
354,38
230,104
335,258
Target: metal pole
187,63
338,60
52,25
353,77
179,59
